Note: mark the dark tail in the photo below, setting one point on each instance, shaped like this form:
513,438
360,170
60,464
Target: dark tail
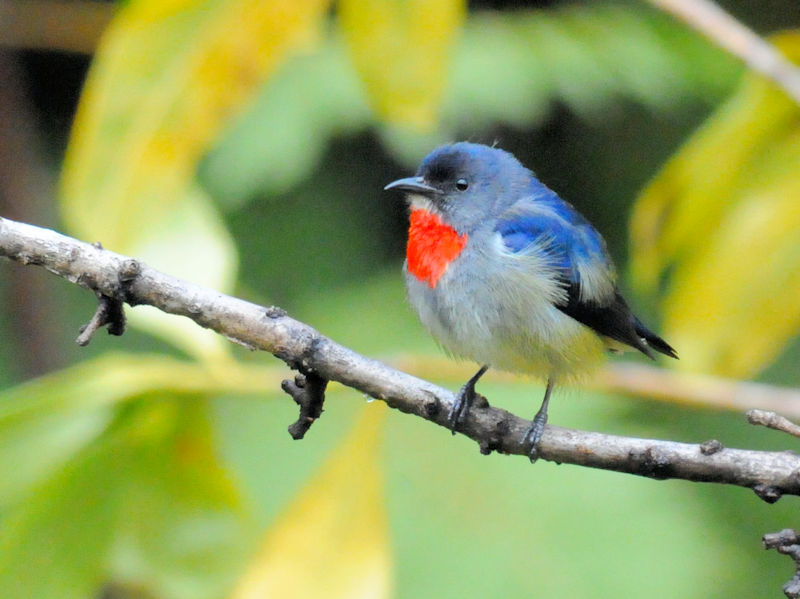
654,341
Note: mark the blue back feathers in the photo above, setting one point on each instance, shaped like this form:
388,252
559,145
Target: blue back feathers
544,219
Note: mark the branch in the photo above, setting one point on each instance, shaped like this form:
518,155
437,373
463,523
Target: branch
728,33
769,474
640,380
109,312
308,392
773,421
787,542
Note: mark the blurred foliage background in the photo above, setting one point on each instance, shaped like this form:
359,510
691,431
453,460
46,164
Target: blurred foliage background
243,144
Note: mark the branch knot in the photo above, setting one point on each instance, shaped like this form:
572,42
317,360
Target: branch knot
308,391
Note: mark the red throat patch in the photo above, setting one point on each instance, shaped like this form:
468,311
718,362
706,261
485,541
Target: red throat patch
432,246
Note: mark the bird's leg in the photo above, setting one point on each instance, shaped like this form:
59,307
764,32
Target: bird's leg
534,432
464,400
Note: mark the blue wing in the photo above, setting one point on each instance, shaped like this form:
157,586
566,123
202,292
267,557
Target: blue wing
545,223
572,244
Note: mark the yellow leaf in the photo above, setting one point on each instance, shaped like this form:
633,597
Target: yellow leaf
722,224
191,242
332,541
167,76
732,305
693,191
401,50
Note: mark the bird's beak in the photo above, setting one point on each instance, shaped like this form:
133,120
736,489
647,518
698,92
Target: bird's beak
413,185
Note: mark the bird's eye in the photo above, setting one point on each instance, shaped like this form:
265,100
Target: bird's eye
462,185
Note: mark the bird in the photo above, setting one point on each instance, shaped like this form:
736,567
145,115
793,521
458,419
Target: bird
503,272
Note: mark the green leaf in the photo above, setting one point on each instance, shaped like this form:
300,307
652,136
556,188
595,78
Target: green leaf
312,97
145,503
46,422
183,529
507,67
511,67
54,545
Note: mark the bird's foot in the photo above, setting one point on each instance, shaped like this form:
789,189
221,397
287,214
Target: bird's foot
534,434
464,398
460,407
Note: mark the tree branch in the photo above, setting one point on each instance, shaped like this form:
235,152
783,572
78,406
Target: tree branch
787,542
640,380
769,474
773,421
308,392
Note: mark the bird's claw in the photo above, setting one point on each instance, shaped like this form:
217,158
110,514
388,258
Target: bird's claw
533,435
463,401
459,410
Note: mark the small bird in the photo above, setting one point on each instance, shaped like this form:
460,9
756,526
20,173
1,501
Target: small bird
504,272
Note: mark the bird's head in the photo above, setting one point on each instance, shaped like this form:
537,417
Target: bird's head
465,184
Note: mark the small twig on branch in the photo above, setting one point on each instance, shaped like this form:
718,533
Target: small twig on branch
773,421
770,474
725,31
787,542
308,391
109,312
110,309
